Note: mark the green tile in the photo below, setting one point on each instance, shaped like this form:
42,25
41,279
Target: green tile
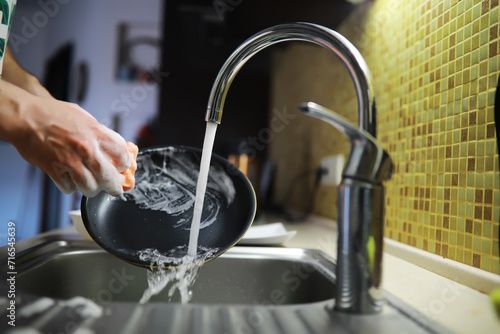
486,246
493,64
494,16
484,37
496,215
479,180
470,180
476,244
483,52
490,147
488,178
476,11
461,197
460,255
485,21
482,100
463,149
453,237
471,195
495,267
461,212
485,263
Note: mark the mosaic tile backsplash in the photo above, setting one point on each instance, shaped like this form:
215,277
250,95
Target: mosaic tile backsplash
435,66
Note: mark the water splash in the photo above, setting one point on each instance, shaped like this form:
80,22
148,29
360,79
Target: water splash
179,278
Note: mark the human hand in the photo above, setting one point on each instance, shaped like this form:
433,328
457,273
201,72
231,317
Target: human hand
71,146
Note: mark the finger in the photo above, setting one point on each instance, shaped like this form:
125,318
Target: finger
85,181
106,175
114,187
115,148
65,183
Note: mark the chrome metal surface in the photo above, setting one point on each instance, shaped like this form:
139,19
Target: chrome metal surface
360,243
241,276
360,216
306,32
367,161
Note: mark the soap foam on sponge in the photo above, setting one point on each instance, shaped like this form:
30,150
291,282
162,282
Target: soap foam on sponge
129,178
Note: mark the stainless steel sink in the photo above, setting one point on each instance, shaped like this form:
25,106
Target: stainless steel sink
241,276
246,290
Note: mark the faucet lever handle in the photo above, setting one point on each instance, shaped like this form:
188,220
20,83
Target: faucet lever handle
367,161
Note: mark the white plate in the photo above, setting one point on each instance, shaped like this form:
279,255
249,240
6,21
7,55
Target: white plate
76,217
267,234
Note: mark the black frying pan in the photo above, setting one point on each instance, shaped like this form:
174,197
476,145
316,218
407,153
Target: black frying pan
157,213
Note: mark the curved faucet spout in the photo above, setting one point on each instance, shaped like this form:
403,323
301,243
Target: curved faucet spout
307,32
361,192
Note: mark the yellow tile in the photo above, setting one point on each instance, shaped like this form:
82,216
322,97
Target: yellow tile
468,257
463,164
436,108
480,165
451,253
481,132
485,21
474,84
483,68
460,255
476,28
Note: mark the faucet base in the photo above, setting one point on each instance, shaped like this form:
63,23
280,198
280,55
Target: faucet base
360,246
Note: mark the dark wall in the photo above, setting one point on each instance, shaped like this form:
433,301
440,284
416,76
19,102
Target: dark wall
198,36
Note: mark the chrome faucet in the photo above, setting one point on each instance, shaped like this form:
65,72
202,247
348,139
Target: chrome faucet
360,216
361,193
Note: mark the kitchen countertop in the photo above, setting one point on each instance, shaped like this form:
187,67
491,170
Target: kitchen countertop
455,306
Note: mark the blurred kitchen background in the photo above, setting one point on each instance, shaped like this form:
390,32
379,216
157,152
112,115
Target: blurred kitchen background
145,68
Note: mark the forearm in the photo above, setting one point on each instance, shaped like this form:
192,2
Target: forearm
14,101
64,141
16,75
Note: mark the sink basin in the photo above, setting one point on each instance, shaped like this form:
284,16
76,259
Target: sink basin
243,275
60,278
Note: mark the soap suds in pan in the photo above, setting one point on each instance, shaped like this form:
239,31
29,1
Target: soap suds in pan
171,187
